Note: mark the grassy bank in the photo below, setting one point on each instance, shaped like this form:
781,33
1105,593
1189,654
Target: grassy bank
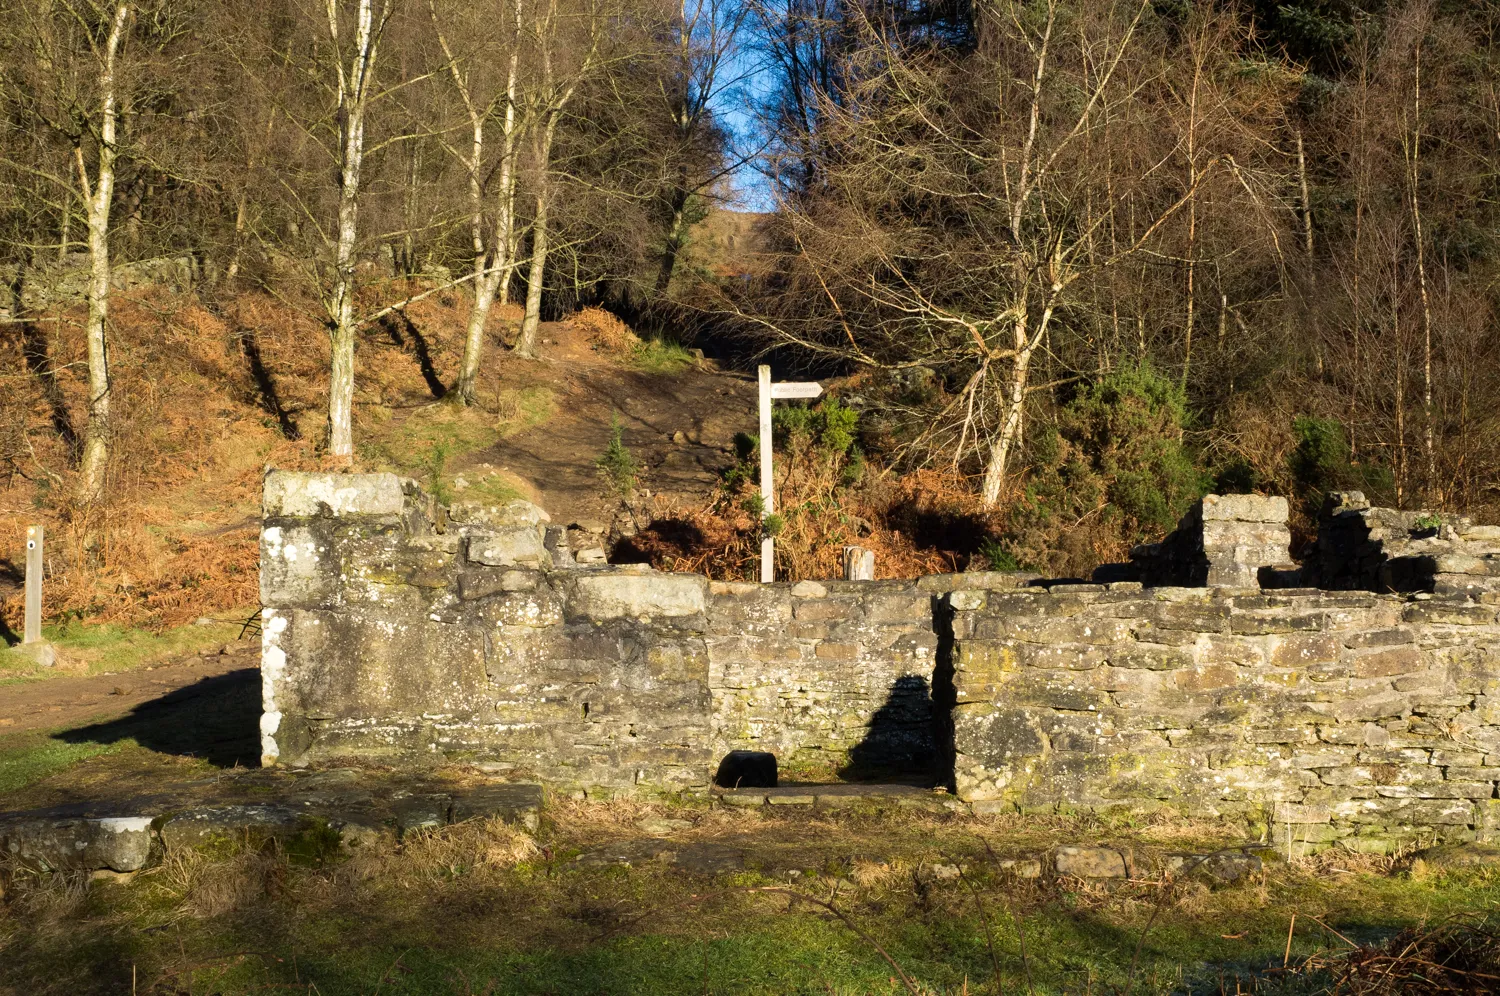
485,908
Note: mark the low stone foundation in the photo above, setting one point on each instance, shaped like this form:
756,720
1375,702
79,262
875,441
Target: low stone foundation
398,629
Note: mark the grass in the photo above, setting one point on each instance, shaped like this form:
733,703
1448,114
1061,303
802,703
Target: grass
469,910
541,928
492,488
109,647
26,758
661,356
428,441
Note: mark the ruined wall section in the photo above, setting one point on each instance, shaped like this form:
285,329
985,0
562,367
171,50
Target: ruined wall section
1361,547
1240,541
393,632
836,674
1319,717
397,629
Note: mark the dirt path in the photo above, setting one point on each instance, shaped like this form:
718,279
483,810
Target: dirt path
680,427
65,702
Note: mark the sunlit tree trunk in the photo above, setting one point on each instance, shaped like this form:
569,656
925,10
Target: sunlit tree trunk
98,200
526,344
493,263
353,96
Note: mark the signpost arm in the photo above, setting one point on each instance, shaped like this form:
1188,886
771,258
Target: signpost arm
767,484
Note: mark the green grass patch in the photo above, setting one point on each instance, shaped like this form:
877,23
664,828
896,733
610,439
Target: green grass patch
494,488
427,442
661,356
648,931
109,647
29,757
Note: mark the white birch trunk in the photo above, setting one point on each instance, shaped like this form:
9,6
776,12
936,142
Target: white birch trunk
353,95
526,342
492,268
1013,404
96,442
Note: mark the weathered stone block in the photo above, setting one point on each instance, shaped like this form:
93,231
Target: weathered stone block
996,737
483,582
1360,639
511,514
1245,508
288,494
508,546
1150,656
299,566
636,595
1090,862
1205,677
55,842
1304,649
1453,613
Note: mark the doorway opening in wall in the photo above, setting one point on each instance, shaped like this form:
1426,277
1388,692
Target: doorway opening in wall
906,749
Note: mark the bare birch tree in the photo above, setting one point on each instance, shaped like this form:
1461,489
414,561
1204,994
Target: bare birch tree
494,249
355,80
558,78
76,52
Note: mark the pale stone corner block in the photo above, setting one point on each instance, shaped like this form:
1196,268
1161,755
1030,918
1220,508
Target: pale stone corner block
288,493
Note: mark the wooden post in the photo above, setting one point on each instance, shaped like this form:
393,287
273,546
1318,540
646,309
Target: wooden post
859,564
32,632
767,483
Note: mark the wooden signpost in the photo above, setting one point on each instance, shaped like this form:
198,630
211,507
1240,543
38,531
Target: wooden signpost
768,393
32,632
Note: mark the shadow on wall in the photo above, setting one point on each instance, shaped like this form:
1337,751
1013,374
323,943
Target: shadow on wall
899,745
909,739
216,719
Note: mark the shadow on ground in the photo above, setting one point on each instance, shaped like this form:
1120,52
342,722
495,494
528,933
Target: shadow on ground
216,719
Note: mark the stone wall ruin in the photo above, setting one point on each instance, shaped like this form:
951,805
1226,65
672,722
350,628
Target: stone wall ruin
397,629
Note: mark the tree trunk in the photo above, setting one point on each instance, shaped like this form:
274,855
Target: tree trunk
488,279
96,439
1013,402
673,245
353,92
526,344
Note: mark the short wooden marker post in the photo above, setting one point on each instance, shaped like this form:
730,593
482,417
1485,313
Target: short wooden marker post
32,632
768,392
859,564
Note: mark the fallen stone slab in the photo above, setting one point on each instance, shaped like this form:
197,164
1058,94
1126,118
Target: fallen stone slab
1021,867
1459,856
513,802
50,841
1218,867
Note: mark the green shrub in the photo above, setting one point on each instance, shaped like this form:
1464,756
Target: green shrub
830,426
1110,471
1322,462
617,463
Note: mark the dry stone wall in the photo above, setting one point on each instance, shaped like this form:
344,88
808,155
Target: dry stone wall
396,628
1368,548
1234,540
1317,716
